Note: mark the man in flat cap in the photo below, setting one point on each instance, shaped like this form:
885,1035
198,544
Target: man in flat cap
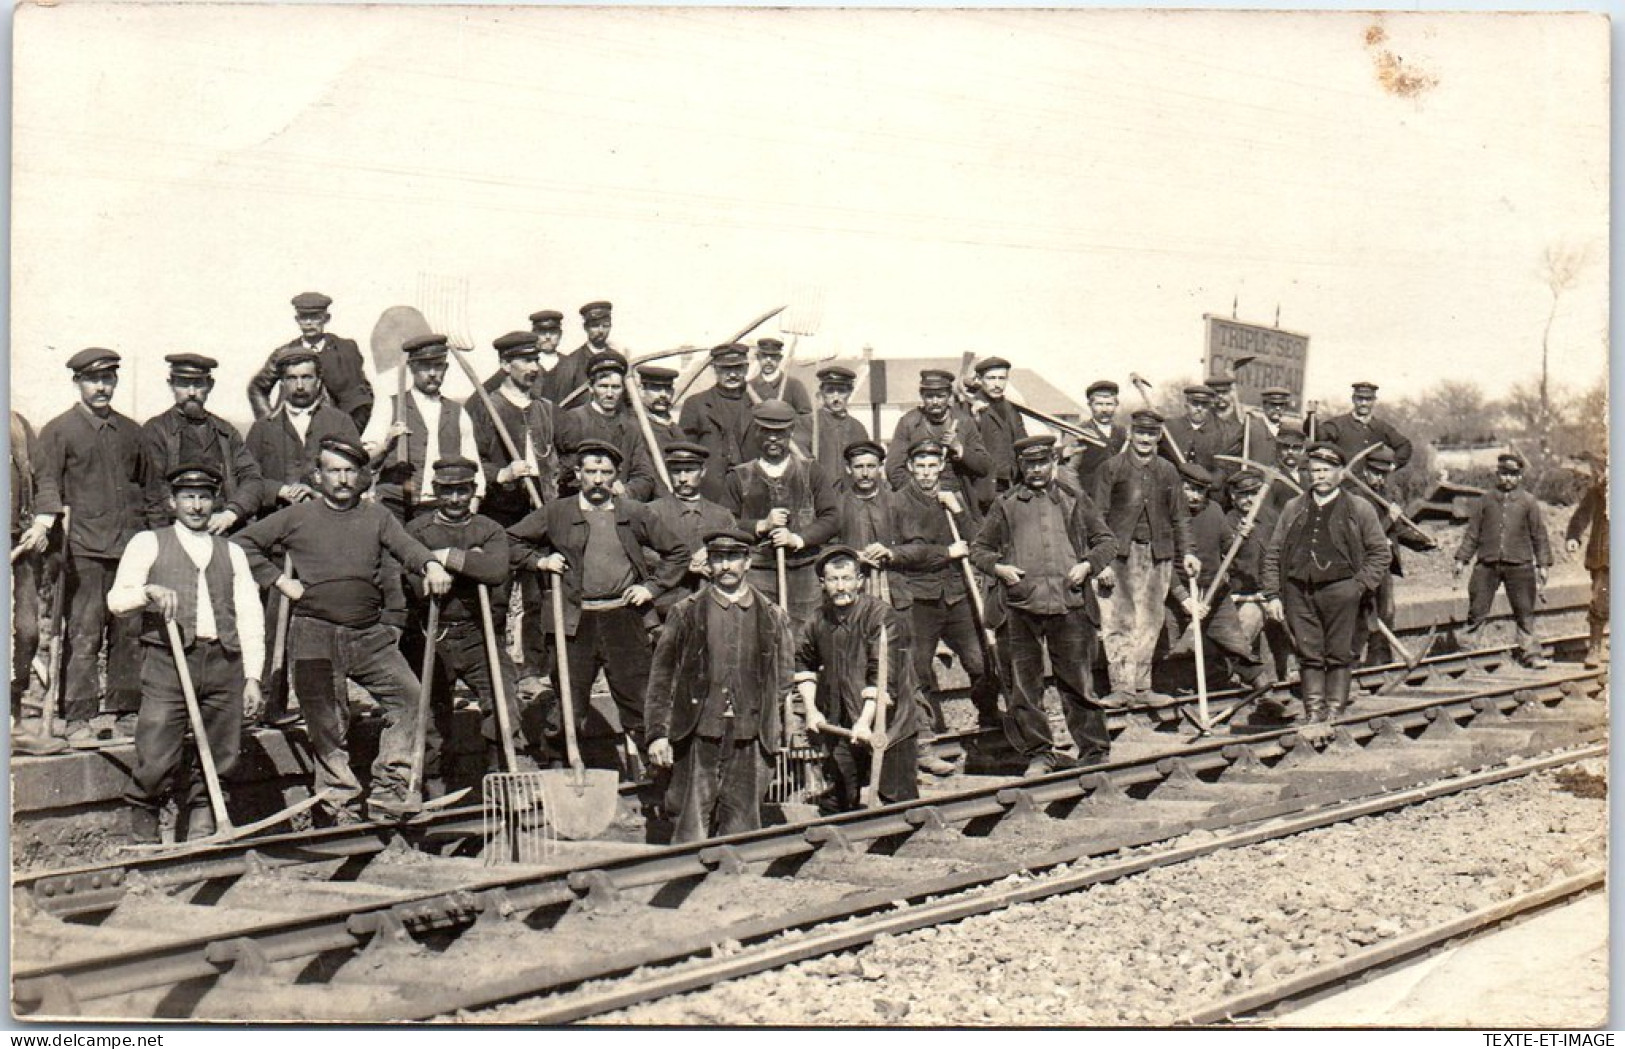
1327,554
1140,495
688,515
344,374
721,418
866,513
419,429
998,422
1361,427
713,697
1263,427
1592,515
1246,583
658,387
1506,535
596,321
607,417
939,418
788,504
829,429
837,665
1199,436
1043,545
337,543
285,442
90,463
773,382
1375,470
186,574
1102,437
190,433
561,374
1225,406
1290,445
598,547
474,550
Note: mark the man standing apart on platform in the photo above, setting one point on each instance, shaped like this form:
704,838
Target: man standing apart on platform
190,433
713,695
1327,554
1592,514
1361,428
422,428
1507,535
998,422
182,573
90,462
721,418
344,375
336,634
1043,544
1140,495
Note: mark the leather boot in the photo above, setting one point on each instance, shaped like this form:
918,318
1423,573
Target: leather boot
1313,680
1337,691
199,823
1594,648
143,825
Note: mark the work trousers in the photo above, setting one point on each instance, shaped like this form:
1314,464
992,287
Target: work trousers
1324,618
1131,616
1225,634
847,767
717,787
324,658
932,621
805,592
1254,623
1070,639
89,579
615,641
460,655
1378,608
163,763
1488,576
25,620
1597,611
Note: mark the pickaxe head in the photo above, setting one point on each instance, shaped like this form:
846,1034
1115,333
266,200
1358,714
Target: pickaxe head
1242,362
1271,474
1142,385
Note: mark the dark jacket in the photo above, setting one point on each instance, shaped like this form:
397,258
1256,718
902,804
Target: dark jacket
1399,533
680,675
860,522
1121,497
1592,514
621,430
1001,426
283,457
477,554
1356,531
843,653
690,522
1212,533
803,490
344,379
561,527
226,451
1216,437
95,466
1354,437
508,502
786,388
971,472
724,426
1086,530
920,549
1094,452
833,437
1505,528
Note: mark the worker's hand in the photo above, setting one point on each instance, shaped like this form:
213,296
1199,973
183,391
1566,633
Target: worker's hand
1106,578
875,554
814,718
1195,607
787,539
1193,565
660,752
1078,574
162,599
1009,575
1272,609
950,502
290,588
554,563
1542,573
618,489
516,470
396,431
637,595
295,493
222,522
1572,546
36,536
863,731
958,551
954,447
699,562
778,517
436,580
253,701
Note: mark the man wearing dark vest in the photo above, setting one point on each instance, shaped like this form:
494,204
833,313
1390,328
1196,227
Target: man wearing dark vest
337,544
1042,544
1361,427
345,376
1506,535
826,432
417,430
1140,494
190,433
1263,428
1327,553
608,418
688,515
773,382
595,546
1289,459
558,375
286,441
90,461
789,504
713,698
720,418
659,385
1376,468
1102,437
998,421
183,574
939,418
1592,515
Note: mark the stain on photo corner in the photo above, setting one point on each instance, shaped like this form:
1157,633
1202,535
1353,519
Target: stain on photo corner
1393,74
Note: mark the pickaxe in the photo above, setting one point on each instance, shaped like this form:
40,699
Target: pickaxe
1388,506
1271,474
1411,660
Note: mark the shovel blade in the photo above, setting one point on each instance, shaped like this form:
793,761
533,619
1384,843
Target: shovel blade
580,803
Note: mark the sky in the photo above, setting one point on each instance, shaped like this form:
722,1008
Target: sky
1069,189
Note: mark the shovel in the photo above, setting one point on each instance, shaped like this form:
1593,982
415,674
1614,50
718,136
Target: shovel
870,795
579,802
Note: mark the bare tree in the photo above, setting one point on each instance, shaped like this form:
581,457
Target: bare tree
1560,268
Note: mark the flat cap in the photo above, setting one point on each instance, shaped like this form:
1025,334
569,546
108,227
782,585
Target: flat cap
1326,452
1144,419
926,446
773,414
606,361
1274,394
685,453
1381,458
1038,446
988,364
836,375
1199,393
349,449
455,469
863,447
194,475
769,345
1364,387
1195,474
1507,462
311,302
936,379
193,364
429,347
1220,382
1100,386
657,375
727,540
730,353
594,447
299,354
547,320
596,311
1246,481
515,344
93,359
1291,428
838,552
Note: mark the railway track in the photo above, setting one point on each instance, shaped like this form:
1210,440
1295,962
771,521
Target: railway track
407,923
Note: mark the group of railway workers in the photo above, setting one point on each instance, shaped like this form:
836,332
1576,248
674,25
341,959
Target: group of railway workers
712,561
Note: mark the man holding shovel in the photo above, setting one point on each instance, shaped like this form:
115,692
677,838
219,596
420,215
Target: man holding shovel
202,583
